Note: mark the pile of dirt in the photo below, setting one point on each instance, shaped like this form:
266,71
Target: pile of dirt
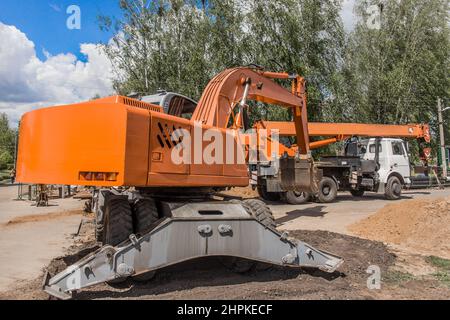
43,217
245,193
421,226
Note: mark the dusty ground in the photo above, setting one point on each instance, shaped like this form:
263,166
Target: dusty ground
405,274
31,237
420,226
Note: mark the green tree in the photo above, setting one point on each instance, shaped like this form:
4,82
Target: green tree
304,37
7,142
159,45
180,45
395,74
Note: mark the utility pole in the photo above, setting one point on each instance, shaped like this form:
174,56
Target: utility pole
442,139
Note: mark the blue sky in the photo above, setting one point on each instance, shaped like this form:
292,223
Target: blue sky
44,23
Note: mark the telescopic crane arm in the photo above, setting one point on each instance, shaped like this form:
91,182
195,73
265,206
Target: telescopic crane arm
335,132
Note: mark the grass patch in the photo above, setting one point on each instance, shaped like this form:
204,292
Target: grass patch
439,263
443,269
398,277
4,176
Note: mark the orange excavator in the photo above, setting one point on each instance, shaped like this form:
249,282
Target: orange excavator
377,160
155,174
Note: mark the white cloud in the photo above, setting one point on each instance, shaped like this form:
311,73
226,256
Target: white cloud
55,7
347,14
27,83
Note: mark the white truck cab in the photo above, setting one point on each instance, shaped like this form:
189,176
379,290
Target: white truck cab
393,160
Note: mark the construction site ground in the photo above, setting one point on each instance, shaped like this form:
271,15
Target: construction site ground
408,240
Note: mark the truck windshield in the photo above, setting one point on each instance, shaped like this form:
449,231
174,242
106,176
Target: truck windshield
355,148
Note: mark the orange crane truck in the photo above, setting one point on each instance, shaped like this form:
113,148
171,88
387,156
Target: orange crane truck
375,159
153,210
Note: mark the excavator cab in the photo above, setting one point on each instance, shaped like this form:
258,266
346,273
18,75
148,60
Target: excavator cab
172,103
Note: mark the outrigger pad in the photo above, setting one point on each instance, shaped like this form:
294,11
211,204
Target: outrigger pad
189,236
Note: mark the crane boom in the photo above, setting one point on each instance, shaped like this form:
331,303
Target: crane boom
334,132
323,129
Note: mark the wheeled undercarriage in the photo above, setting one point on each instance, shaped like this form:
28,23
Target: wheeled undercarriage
143,232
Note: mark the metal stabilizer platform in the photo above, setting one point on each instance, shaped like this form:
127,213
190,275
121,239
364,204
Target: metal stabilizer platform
192,231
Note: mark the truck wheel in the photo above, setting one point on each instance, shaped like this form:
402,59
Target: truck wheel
393,189
268,196
118,221
145,214
327,190
357,193
260,211
293,197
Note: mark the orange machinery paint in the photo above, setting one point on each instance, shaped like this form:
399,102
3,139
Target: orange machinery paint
114,141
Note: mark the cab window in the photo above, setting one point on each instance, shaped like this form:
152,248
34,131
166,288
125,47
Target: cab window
397,148
372,148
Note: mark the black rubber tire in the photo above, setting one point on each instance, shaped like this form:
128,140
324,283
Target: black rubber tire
87,206
237,265
393,190
327,190
260,211
117,283
357,193
99,232
293,197
145,214
268,196
118,221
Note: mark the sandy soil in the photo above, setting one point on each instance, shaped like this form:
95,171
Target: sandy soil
42,217
30,237
420,226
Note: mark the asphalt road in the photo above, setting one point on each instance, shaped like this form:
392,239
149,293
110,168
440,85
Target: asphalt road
337,216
